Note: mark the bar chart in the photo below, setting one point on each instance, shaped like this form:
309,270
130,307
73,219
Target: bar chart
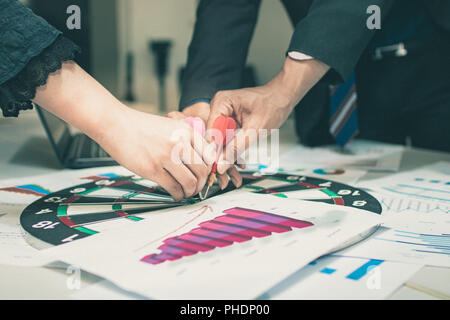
237,225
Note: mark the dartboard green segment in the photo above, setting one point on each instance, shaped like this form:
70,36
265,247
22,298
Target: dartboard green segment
86,230
88,209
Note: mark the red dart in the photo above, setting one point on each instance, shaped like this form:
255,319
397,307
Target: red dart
225,128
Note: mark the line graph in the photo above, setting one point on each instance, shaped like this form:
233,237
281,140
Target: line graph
400,205
420,192
421,242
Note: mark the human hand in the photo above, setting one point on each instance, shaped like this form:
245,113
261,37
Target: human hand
202,110
160,149
264,107
199,109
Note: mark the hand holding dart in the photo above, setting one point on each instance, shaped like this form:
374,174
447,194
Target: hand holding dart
223,130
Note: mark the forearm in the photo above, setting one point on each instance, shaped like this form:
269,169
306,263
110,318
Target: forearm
74,96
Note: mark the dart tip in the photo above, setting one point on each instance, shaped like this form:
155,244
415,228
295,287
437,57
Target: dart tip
212,176
205,194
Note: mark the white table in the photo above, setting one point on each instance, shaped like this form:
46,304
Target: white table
25,151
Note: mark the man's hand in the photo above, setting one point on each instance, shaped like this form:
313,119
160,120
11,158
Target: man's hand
264,107
202,110
199,109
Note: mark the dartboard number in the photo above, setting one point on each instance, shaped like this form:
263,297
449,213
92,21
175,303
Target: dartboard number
346,192
325,184
69,239
44,211
359,203
45,225
55,199
78,190
105,182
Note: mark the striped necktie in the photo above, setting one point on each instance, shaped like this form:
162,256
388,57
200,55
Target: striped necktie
343,112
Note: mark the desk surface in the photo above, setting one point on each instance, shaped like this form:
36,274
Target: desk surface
25,151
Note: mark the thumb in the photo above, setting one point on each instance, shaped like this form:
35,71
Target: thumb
221,105
176,115
236,148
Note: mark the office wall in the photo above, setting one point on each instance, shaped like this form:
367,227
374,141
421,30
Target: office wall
174,19
104,43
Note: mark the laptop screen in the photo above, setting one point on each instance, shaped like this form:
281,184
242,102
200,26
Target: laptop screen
57,130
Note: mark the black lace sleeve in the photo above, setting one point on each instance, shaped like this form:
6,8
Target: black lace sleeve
16,94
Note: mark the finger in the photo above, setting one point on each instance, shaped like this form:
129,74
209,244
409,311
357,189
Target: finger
241,162
165,180
236,148
235,176
223,180
197,166
183,176
220,105
176,115
207,151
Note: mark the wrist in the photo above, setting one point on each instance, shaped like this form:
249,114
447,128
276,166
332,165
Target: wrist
199,109
296,78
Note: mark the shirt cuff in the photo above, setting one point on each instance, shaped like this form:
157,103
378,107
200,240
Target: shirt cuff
299,56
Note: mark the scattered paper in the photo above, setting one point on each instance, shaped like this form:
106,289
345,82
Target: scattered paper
358,155
14,249
104,290
27,190
428,183
224,248
338,277
410,244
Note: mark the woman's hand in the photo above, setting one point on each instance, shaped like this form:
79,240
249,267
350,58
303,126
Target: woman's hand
163,150
202,110
160,149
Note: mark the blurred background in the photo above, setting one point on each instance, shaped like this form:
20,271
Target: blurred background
117,36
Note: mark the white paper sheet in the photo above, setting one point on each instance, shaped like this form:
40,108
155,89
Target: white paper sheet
14,249
428,183
104,290
337,277
359,155
238,271
29,189
407,206
424,243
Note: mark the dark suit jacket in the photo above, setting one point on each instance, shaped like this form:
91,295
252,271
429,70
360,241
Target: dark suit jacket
333,31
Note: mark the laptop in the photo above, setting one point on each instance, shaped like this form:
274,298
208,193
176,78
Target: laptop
73,151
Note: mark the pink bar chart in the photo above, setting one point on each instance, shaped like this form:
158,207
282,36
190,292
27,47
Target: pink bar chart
236,225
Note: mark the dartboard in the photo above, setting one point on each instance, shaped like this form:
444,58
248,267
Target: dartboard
90,208
312,189
80,211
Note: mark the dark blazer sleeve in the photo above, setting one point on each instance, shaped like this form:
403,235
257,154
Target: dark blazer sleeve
23,35
218,49
335,33
440,11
